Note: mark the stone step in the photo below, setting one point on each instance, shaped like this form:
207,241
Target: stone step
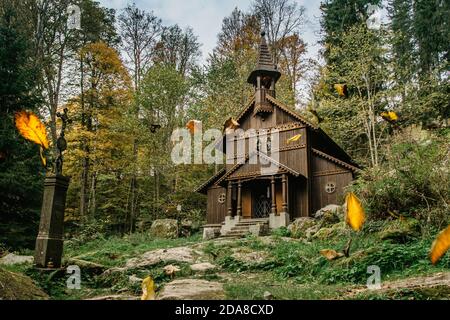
240,228
251,223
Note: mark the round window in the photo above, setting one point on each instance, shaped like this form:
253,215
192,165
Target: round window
330,187
221,198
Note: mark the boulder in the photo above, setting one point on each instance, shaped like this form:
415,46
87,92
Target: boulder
336,230
250,257
134,279
15,286
400,231
203,267
164,228
150,258
11,259
192,289
330,214
299,226
311,231
87,266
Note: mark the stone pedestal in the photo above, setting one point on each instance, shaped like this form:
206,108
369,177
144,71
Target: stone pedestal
278,221
49,242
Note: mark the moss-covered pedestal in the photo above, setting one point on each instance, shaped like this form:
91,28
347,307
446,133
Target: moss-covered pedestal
49,242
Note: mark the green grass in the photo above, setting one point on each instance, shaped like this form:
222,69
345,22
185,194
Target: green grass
293,269
115,251
249,287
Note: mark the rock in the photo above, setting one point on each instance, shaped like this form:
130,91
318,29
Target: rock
336,230
252,257
133,279
164,228
15,286
331,254
299,226
311,231
186,228
12,258
268,296
203,267
210,233
114,297
400,230
171,270
331,214
150,258
192,289
87,266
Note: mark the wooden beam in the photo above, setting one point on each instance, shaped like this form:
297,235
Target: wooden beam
239,199
273,195
229,200
284,193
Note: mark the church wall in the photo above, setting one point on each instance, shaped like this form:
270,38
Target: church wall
326,172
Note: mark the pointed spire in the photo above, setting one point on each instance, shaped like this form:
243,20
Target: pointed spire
265,64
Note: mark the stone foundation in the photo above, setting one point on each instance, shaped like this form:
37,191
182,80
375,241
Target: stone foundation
278,221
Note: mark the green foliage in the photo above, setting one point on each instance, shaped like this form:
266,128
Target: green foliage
21,173
414,181
281,232
338,17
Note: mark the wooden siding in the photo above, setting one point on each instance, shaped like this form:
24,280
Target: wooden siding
325,171
215,211
298,197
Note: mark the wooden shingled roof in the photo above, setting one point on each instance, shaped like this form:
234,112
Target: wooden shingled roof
202,188
335,160
265,64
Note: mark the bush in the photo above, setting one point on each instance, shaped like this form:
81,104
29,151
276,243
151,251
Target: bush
281,232
413,181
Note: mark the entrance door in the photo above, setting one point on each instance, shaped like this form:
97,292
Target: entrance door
261,201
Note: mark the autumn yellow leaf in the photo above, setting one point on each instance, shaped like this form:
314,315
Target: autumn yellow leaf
193,125
331,254
389,116
31,128
355,215
341,89
294,138
170,270
148,289
440,245
231,123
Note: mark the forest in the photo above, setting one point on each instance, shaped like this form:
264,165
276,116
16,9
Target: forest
128,80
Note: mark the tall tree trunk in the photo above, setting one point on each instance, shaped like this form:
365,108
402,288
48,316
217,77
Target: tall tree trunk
85,148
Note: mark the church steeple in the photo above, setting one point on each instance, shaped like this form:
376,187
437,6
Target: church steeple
264,77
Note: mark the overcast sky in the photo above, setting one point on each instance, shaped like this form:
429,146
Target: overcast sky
205,17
